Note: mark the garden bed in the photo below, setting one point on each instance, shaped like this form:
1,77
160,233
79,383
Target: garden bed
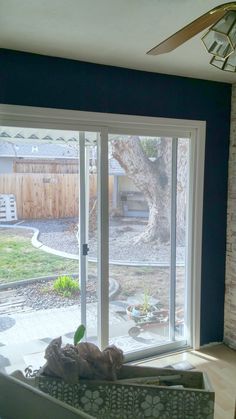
42,296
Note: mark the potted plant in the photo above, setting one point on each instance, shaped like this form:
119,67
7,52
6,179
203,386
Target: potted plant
145,313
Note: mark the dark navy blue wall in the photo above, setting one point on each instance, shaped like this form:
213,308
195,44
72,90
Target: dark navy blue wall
34,80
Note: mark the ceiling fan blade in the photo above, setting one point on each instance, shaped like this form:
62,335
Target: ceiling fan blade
192,29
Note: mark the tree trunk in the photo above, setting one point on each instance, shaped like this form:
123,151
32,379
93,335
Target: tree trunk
152,178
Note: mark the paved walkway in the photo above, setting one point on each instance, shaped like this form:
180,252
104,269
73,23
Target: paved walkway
25,341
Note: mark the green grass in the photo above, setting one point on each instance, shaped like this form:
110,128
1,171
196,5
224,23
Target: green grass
20,260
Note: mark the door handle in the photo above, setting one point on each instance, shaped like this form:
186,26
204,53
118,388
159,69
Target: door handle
85,249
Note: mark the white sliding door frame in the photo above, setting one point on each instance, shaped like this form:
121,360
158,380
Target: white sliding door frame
32,117
103,244
83,226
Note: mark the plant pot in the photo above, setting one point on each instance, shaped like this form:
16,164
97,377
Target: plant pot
152,314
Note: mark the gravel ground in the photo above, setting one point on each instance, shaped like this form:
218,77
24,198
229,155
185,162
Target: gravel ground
41,296
60,235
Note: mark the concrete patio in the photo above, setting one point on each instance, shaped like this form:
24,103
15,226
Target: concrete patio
25,341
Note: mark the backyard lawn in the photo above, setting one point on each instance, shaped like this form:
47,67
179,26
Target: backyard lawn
20,260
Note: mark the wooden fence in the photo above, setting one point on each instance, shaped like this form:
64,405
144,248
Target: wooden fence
46,166
46,196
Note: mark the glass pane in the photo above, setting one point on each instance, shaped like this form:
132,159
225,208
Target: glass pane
139,240
39,242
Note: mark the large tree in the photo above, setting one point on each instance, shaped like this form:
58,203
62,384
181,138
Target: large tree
152,177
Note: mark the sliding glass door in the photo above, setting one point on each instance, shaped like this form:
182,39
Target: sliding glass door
48,227
131,206
148,202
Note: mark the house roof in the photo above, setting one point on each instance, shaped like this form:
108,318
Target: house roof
31,150
47,144
40,143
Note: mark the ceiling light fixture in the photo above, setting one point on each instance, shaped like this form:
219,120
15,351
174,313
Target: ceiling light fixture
219,40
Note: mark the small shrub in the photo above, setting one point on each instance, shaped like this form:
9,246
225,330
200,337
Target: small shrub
66,286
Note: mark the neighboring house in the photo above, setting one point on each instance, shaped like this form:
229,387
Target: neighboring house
28,151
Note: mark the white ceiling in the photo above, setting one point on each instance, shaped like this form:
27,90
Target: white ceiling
113,32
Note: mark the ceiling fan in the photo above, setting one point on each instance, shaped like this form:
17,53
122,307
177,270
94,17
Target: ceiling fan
219,40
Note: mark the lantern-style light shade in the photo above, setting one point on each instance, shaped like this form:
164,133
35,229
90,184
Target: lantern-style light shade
220,40
226,65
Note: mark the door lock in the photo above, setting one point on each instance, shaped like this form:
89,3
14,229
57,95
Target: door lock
85,249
